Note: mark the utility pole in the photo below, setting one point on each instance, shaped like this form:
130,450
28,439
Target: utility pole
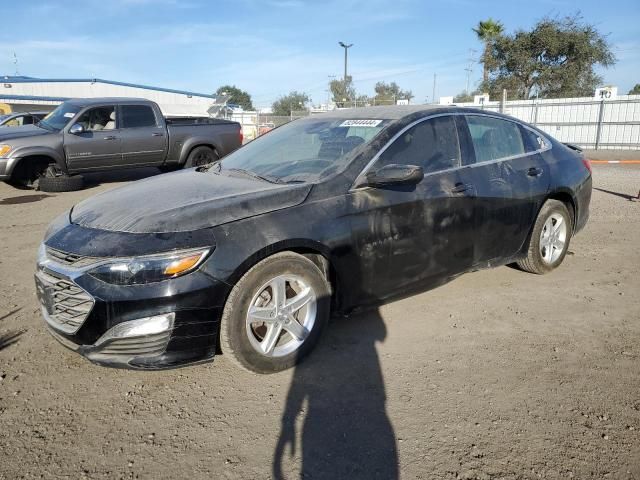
469,68
15,62
433,97
346,48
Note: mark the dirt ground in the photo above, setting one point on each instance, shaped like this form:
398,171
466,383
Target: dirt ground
497,375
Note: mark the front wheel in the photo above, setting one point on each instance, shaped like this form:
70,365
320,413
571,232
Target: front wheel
275,313
549,240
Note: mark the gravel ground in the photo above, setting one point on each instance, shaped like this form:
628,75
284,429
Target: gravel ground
498,374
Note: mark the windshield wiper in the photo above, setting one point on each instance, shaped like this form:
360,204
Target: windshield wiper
249,173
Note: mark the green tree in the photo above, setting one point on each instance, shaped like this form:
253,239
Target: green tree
557,58
635,90
288,104
341,91
488,31
388,93
464,97
236,96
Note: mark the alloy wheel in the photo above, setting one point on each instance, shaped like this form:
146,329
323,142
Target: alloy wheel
553,238
281,315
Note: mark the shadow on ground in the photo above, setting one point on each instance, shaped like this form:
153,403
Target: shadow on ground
129,175
337,400
617,194
8,339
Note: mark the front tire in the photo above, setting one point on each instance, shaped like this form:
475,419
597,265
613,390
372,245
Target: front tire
275,313
549,240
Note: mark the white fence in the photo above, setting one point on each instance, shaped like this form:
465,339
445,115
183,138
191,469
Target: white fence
587,122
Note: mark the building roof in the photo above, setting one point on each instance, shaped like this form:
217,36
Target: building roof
23,79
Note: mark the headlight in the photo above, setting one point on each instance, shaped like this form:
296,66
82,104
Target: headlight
152,268
4,149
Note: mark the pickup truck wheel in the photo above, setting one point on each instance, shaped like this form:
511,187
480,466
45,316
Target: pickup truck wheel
60,183
201,156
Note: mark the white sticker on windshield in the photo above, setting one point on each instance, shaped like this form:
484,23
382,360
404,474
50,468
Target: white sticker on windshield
69,115
361,123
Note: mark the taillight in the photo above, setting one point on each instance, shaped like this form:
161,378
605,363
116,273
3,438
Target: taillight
241,137
587,164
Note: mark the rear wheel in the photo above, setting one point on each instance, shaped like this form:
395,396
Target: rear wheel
549,240
275,313
201,156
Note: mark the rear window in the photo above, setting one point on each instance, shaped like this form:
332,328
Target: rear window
494,138
134,116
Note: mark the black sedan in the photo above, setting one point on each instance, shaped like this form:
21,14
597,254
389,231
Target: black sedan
251,255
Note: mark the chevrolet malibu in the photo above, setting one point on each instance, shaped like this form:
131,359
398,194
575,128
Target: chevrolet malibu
250,255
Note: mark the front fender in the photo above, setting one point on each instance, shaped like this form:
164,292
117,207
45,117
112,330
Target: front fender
21,154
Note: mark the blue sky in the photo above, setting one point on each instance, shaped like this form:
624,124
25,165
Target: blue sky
270,47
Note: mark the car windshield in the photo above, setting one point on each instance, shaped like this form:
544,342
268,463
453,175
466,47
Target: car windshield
305,150
60,117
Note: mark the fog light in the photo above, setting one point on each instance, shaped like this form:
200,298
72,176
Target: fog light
139,328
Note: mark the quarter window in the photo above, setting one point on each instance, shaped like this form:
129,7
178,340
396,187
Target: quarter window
432,145
533,141
134,116
494,138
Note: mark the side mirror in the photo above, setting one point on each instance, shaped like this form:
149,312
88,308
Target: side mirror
395,174
76,129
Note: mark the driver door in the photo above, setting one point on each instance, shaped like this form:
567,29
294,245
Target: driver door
414,236
98,147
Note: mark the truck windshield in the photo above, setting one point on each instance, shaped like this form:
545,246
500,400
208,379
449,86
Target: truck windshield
60,117
304,150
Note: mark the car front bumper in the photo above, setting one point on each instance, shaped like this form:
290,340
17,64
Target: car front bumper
171,323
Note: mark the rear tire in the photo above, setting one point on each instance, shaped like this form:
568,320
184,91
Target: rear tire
245,333
549,240
61,183
201,156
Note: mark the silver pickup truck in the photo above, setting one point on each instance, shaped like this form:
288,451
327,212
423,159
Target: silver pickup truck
99,134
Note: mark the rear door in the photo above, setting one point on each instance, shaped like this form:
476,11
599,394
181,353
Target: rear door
510,180
98,147
412,236
143,134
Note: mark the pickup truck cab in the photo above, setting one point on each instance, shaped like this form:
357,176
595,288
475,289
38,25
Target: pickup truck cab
100,134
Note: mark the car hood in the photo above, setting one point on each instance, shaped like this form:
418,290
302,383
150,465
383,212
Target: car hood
184,201
8,133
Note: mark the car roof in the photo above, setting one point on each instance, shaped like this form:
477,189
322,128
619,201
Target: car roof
395,112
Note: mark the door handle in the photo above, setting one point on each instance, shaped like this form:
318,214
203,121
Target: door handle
534,172
110,137
461,187
157,134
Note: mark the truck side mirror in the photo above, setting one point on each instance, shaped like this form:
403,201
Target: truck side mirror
76,129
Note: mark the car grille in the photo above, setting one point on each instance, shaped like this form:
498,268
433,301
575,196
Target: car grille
66,304
70,259
149,345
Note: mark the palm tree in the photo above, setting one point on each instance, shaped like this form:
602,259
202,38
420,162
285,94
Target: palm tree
487,31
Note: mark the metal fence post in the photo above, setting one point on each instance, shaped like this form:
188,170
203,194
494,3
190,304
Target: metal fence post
535,113
599,128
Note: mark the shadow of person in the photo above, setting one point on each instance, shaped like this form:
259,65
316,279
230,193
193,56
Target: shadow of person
335,423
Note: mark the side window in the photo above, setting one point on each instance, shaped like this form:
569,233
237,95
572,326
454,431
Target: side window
494,138
99,118
135,116
432,145
533,141
28,120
